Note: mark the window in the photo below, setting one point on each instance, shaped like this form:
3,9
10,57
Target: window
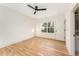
48,27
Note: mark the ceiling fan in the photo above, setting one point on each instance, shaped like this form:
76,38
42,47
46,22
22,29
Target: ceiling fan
36,8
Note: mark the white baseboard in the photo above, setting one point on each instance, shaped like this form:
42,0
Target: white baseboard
14,42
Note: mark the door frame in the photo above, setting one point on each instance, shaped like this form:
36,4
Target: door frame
70,29
73,14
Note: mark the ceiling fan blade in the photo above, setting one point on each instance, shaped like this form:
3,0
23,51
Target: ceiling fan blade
31,6
35,12
41,9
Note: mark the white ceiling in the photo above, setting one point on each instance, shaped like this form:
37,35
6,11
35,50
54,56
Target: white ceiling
52,8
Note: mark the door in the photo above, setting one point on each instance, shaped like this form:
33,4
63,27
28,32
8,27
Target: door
70,30
72,33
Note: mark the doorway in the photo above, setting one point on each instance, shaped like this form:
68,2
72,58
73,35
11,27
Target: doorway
76,31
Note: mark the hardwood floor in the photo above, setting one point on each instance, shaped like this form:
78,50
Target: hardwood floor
36,47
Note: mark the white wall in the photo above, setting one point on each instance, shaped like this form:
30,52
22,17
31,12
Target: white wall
14,27
59,27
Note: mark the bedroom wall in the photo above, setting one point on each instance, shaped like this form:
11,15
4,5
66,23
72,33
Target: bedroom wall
14,27
58,27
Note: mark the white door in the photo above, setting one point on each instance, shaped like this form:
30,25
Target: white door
72,33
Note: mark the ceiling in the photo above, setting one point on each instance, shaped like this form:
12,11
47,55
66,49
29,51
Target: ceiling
52,8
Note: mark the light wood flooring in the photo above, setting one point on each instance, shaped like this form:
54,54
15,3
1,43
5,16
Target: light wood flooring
36,47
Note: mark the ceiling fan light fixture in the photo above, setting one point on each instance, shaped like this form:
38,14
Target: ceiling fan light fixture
36,8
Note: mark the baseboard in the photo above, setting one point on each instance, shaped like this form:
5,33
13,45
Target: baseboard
48,38
12,43
26,38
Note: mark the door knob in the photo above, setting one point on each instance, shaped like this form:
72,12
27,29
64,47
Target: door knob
74,34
